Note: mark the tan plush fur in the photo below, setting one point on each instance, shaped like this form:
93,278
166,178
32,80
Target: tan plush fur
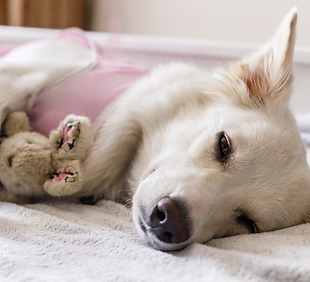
29,161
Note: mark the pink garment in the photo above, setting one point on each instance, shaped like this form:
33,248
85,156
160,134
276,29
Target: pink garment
84,94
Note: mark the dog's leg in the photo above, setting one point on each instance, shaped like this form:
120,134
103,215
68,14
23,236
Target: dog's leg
114,145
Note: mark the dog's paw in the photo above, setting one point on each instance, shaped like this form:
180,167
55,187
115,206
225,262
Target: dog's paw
66,174
69,136
64,182
71,139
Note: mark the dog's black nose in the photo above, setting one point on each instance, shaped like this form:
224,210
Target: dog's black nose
168,221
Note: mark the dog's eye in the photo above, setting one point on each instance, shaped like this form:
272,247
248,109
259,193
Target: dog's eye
223,146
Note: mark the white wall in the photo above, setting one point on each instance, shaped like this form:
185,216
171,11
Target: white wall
231,21
247,21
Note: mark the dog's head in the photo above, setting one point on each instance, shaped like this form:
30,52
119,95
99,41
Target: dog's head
235,165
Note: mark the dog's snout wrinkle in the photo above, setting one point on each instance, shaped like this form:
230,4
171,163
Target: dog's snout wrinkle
168,221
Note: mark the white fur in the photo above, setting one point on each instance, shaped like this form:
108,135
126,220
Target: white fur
159,139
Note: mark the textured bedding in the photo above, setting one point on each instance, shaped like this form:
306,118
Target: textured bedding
64,241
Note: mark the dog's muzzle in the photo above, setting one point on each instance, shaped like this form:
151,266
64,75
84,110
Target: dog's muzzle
167,221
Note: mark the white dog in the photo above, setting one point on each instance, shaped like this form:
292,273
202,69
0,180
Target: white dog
206,155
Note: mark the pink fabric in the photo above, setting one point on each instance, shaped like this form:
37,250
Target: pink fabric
85,94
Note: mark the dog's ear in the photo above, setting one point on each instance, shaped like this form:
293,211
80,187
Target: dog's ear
268,73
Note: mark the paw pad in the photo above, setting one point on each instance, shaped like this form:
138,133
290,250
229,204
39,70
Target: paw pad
69,136
65,174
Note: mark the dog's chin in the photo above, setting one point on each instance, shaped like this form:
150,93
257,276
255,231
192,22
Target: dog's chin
153,242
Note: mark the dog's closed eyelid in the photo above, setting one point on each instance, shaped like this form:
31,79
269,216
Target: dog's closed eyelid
246,221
